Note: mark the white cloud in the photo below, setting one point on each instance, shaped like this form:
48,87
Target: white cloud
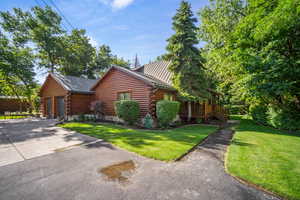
119,4
93,42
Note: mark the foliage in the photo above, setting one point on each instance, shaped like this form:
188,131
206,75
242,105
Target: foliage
218,21
16,70
120,62
158,144
253,47
166,112
103,59
237,109
266,157
128,110
148,121
81,117
283,119
189,75
258,113
78,55
55,49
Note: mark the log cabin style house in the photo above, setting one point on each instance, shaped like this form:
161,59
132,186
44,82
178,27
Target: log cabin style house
65,96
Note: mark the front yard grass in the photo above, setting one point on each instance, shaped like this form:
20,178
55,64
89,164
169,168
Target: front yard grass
12,117
267,157
164,145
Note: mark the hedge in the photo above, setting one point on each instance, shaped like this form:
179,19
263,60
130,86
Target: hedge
283,119
128,110
166,112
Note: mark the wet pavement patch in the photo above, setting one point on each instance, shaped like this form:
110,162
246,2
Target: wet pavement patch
119,172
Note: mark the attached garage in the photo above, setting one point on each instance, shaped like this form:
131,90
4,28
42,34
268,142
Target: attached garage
64,96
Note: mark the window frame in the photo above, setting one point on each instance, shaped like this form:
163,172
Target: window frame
124,92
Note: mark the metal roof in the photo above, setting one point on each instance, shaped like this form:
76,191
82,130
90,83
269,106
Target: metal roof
158,70
75,84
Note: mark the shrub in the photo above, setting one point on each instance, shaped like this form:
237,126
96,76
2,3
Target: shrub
128,110
258,113
283,119
148,121
236,109
81,118
166,112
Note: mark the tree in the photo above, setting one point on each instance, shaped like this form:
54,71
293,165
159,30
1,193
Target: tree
78,55
120,62
42,28
268,52
254,46
103,59
16,70
218,21
189,75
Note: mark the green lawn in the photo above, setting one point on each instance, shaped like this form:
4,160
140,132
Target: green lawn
158,144
267,157
12,117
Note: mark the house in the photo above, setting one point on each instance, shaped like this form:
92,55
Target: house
13,104
65,96
146,84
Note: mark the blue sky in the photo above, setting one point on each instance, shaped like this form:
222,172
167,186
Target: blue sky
129,27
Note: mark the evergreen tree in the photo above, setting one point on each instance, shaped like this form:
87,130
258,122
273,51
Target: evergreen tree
187,63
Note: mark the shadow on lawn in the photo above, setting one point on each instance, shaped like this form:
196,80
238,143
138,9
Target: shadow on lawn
238,142
248,125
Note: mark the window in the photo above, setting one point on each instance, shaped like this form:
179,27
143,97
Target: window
168,97
124,96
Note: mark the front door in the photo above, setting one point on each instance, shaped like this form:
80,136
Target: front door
60,107
49,108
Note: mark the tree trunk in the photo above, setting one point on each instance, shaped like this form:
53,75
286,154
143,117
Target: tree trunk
189,111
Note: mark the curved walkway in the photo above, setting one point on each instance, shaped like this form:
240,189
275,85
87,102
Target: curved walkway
74,174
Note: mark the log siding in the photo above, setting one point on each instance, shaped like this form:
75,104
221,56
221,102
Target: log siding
117,81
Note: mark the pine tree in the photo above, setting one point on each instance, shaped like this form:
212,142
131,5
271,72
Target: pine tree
186,61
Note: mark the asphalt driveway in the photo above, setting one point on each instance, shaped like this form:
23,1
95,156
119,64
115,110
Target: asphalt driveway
74,174
22,139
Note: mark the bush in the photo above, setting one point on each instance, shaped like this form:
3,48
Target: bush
237,109
166,112
148,121
81,118
258,113
283,119
128,110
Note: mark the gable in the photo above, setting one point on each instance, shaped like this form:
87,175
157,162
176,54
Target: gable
115,76
52,88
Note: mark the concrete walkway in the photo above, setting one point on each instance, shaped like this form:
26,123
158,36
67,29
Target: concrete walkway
74,174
